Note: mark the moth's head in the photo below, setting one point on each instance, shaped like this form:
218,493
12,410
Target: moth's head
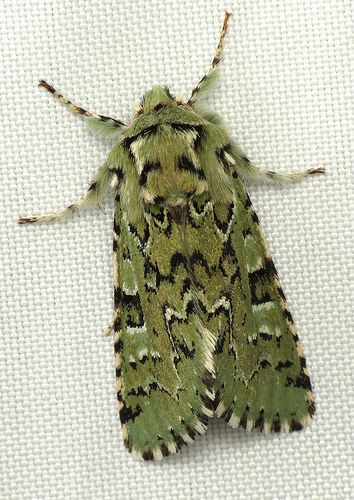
156,98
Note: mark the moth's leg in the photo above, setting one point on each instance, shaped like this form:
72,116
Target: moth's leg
110,326
248,170
253,172
206,80
93,196
93,119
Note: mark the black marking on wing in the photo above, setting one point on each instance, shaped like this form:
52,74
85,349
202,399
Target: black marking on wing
287,315
262,275
303,381
283,364
148,455
243,421
276,425
197,258
117,295
264,363
116,228
265,336
247,203
135,316
260,420
177,259
224,224
127,413
263,299
141,238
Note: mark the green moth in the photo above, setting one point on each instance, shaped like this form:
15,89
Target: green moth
201,324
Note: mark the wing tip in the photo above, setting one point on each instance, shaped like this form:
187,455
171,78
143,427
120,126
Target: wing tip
192,430
173,446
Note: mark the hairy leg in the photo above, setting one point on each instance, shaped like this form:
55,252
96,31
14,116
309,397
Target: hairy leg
93,196
247,169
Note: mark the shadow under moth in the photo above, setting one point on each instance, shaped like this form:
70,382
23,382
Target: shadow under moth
201,325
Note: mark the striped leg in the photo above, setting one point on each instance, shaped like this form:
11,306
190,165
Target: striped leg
280,178
209,76
93,196
94,119
232,157
244,167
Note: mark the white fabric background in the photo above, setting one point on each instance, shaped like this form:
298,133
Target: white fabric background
286,92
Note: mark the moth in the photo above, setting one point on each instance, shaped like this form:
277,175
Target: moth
201,325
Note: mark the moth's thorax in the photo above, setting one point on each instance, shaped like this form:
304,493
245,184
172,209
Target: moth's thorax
168,164
176,153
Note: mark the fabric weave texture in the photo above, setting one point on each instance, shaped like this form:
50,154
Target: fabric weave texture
286,93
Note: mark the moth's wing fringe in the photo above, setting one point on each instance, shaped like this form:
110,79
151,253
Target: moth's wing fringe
172,448
236,421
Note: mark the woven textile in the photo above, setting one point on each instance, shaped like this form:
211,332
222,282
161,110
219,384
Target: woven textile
286,91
